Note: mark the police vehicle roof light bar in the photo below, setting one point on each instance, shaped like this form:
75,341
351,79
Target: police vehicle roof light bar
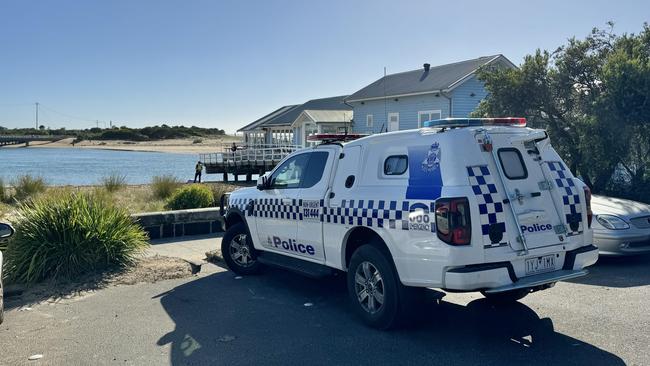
475,122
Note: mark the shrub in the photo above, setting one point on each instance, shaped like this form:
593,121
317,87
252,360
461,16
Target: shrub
27,186
192,196
164,185
114,182
197,141
64,234
122,134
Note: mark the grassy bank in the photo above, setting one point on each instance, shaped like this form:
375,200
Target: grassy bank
133,198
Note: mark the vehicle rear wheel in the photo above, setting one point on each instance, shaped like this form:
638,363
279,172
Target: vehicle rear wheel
238,251
377,295
506,297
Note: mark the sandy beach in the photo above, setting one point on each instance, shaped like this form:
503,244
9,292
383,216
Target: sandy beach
180,146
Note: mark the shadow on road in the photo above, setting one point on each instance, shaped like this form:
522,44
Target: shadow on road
264,320
618,272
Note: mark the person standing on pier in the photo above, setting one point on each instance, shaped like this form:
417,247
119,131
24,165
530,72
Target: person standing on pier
199,170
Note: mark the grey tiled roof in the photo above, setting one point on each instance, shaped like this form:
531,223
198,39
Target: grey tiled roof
253,125
287,114
438,78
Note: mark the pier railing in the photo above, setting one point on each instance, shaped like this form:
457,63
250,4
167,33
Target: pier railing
247,159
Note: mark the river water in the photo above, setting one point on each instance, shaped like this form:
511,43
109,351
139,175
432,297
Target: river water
70,166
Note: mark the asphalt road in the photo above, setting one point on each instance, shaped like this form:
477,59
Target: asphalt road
220,320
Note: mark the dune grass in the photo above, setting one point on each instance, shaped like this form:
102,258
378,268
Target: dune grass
63,233
114,182
27,186
133,198
164,185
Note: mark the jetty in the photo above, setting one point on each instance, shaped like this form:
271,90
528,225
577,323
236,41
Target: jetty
246,160
26,139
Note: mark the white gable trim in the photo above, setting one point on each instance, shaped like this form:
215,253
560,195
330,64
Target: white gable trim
460,81
299,120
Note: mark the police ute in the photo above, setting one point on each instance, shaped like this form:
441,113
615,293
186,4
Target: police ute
461,205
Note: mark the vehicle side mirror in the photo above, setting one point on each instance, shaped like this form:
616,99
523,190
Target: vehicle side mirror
262,182
6,231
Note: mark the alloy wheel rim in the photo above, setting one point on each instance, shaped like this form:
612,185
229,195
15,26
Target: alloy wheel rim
240,251
369,287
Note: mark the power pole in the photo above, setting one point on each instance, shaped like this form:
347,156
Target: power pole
36,115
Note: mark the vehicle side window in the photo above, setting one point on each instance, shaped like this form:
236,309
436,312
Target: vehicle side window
512,163
396,165
290,173
315,168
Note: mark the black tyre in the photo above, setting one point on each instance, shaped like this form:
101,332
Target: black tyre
238,252
2,310
375,290
507,297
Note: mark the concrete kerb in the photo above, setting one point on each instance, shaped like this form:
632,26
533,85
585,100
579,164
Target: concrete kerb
171,224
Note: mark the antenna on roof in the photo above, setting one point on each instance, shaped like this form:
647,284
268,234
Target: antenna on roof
385,102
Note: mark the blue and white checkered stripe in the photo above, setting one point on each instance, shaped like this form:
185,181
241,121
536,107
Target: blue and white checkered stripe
373,213
490,205
276,208
570,194
370,213
239,203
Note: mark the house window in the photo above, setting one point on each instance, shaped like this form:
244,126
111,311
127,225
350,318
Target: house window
310,129
424,116
369,120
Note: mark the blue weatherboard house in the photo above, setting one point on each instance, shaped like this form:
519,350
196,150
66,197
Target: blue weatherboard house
407,99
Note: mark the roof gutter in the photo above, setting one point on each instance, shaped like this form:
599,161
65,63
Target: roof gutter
393,96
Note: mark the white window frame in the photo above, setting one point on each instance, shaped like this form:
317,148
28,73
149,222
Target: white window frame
428,114
305,133
370,119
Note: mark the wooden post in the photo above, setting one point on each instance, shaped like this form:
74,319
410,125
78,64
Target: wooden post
249,177
236,177
225,177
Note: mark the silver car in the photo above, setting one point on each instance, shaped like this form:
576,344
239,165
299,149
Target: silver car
621,227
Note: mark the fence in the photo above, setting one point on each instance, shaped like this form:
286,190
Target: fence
247,159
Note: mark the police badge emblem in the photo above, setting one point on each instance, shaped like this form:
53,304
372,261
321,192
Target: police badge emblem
432,161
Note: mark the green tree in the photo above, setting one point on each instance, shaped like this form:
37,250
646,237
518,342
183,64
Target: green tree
593,97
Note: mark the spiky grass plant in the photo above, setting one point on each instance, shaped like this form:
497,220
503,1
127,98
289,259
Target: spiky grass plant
114,182
27,186
64,234
3,191
164,185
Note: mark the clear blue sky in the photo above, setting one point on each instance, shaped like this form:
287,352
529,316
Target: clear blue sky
225,63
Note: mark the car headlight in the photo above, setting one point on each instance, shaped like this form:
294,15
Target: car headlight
612,222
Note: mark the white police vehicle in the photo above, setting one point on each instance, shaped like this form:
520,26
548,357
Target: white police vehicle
462,205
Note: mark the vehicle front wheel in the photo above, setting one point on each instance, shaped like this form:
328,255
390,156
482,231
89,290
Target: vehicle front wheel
2,310
375,290
506,297
238,251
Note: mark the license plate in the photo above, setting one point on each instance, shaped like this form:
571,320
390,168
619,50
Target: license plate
540,264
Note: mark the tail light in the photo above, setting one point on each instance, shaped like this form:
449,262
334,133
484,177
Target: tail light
590,214
453,221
